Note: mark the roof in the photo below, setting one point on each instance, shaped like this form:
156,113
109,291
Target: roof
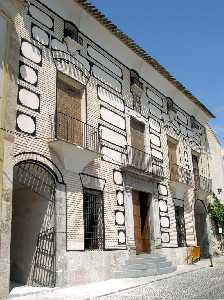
94,12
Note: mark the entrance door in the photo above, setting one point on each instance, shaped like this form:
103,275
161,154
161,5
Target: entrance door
32,253
141,221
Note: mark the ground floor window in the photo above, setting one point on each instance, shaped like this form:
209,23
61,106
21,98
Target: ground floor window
93,220
180,226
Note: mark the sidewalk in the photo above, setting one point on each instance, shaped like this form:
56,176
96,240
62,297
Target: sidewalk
93,290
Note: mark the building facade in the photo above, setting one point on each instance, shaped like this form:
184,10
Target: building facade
108,155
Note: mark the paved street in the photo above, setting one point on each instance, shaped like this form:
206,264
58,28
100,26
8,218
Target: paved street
206,283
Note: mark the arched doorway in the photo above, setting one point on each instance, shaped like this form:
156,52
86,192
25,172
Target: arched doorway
200,214
32,253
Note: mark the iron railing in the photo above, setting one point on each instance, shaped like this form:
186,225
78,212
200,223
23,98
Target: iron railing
180,174
202,183
143,161
74,131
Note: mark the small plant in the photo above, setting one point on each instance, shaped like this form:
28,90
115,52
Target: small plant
216,210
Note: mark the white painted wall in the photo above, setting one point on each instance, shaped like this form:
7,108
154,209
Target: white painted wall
216,163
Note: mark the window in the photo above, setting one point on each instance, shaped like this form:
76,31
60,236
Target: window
93,220
72,31
137,134
180,226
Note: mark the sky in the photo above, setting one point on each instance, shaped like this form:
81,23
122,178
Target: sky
186,37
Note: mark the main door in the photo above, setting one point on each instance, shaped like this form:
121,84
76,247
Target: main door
141,221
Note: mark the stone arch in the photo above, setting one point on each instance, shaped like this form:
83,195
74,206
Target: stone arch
33,234
42,159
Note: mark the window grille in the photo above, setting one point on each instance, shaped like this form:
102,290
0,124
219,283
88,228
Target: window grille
93,220
180,226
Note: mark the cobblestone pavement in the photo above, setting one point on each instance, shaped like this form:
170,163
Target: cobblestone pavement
206,283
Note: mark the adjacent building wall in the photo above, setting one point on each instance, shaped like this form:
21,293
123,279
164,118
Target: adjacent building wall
216,163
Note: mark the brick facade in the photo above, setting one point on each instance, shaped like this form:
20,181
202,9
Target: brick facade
107,104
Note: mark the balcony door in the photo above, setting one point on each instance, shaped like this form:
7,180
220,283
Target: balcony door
172,154
68,124
196,171
141,205
137,134
195,165
137,157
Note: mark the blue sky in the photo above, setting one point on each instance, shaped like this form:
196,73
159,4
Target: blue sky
186,37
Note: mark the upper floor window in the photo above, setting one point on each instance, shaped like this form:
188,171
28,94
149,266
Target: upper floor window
172,112
194,124
136,89
72,31
137,134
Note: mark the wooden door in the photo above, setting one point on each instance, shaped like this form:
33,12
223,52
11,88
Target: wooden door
172,154
137,134
137,221
141,224
69,125
145,230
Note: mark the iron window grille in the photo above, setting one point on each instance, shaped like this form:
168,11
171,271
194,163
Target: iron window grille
180,226
93,220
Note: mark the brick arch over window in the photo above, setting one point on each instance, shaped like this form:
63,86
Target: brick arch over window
37,157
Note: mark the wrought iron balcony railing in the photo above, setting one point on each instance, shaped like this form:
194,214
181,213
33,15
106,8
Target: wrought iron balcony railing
202,183
71,130
180,174
143,162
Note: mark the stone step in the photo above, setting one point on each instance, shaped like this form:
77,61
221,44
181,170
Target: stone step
142,266
166,270
145,265
150,256
134,273
164,264
149,259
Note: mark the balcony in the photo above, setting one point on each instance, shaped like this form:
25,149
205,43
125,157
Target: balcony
202,183
76,143
142,163
180,174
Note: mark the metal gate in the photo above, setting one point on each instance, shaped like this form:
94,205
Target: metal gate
37,178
